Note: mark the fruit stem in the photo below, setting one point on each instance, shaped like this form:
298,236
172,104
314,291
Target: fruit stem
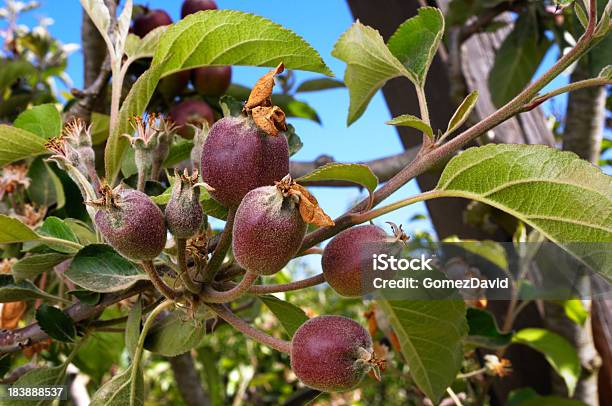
159,284
211,295
219,254
181,246
286,287
259,336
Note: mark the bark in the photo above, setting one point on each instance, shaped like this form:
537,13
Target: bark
188,380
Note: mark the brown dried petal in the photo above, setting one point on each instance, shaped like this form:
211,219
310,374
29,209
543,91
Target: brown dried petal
261,117
260,95
270,120
310,210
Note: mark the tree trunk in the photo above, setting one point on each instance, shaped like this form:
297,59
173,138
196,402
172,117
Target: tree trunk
188,380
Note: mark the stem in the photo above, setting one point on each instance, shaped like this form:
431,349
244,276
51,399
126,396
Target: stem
312,250
566,89
259,336
214,296
181,245
221,249
159,284
286,287
372,214
454,396
59,241
140,347
420,91
142,180
472,374
116,88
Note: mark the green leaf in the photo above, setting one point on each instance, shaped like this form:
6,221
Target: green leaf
355,173
294,141
315,85
43,120
430,333
369,65
492,251
416,41
99,14
574,310
13,230
230,106
89,359
100,268
463,112
31,266
16,144
557,350
43,376
100,125
226,37
57,228
132,327
174,335
10,291
46,188
86,296
408,120
290,316
137,48
116,392
483,330
562,196
134,105
179,151
516,60
55,323
13,70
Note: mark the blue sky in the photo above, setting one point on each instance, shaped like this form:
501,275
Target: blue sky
366,139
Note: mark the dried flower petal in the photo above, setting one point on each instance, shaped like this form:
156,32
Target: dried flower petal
270,120
310,210
11,314
260,95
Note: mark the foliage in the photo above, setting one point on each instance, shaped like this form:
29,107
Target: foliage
101,310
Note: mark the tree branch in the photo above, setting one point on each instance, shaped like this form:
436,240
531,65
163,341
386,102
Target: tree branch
15,340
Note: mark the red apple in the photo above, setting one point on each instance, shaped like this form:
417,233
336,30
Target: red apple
191,112
193,6
212,80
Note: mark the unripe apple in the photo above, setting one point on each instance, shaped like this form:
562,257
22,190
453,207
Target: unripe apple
149,20
347,258
238,157
193,6
331,353
190,112
212,80
268,230
131,223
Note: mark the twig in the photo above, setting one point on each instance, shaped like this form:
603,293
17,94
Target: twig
259,336
286,287
221,249
158,282
210,295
